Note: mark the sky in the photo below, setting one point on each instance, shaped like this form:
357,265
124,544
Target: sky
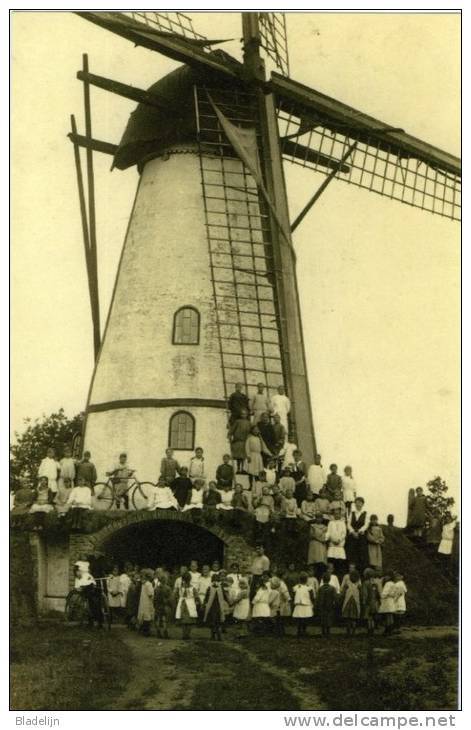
379,281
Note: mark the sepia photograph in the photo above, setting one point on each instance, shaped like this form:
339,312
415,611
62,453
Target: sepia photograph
235,265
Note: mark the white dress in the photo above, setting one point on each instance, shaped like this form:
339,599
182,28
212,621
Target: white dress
48,468
226,499
349,488
195,579
302,601
388,603
124,583
162,498
186,595
203,584
336,531
196,469
242,606
334,581
316,478
400,591
67,465
261,605
196,501
446,543
281,405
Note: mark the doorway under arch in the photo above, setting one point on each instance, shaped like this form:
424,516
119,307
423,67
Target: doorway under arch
166,543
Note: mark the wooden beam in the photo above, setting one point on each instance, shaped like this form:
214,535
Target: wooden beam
306,154
97,145
91,215
129,92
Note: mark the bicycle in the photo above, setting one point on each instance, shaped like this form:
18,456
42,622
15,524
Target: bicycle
78,606
110,493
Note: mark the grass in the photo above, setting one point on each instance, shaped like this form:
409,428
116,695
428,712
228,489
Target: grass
58,667
228,680
384,674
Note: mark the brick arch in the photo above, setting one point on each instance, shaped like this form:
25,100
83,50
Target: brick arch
236,547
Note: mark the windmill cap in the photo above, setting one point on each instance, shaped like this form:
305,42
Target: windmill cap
151,130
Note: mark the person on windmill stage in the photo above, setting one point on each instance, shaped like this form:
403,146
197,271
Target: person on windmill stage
281,405
349,488
182,488
238,401
169,467
299,473
197,466
280,434
120,474
86,470
336,535
255,447
260,403
225,472
238,433
50,468
357,525
316,476
333,484
267,432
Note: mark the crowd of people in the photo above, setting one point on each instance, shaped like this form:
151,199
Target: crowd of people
261,599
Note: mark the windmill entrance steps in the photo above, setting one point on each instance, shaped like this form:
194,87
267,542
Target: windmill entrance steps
148,539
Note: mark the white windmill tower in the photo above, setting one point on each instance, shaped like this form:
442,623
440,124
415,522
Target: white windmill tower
206,295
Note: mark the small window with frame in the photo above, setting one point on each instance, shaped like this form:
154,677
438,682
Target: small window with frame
186,326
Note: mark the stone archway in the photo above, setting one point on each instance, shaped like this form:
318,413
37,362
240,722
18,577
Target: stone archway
234,545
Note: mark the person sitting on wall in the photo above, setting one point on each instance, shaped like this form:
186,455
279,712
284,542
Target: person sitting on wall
120,474
182,488
86,470
196,496
23,497
238,402
80,504
197,465
225,473
162,497
41,506
212,497
169,467
227,494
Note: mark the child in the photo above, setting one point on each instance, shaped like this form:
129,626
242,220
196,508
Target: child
275,606
182,488
215,568
50,468
270,473
235,575
316,475
286,482
349,488
162,497
187,612
261,604
169,467
227,494
312,582
81,568
196,497
346,580
212,497
334,581
203,583
241,612
121,473
303,600
263,505
239,499
41,506
214,608
64,488
351,607
197,465
162,607
289,505
400,591
370,599
132,601
86,470
308,509
238,432
317,553
299,473
79,505
336,535
260,403
113,585
145,612
67,467
326,604
225,473
375,539
333,484
388,606
195,575
285,605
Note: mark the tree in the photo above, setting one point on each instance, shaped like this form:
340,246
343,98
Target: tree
438,504
30,447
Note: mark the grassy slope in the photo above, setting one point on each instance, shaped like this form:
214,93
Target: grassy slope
58,667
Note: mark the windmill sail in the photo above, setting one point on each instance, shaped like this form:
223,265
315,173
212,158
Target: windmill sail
274,39
386,161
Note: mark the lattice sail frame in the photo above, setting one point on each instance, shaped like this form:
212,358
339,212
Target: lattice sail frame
240,249
374,166
274,39
174,22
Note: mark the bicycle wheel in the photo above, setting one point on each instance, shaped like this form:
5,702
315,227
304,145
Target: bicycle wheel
141,494
104,496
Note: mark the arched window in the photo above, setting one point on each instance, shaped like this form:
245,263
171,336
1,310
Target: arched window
181,434
186,326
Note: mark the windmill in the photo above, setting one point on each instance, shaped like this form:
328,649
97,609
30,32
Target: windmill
206,293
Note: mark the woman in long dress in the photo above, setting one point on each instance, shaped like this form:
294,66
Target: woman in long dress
254,447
